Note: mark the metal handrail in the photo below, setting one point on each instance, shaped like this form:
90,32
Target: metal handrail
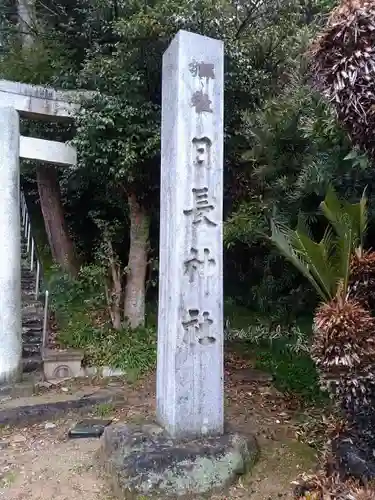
33,255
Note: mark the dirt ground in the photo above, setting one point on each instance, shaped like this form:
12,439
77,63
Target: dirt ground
40,462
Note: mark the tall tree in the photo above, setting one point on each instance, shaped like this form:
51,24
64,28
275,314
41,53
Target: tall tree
30,32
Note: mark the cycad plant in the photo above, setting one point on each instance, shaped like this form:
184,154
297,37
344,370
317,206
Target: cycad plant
343,68
343,343
362,278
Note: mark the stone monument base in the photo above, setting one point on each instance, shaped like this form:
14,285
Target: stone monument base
144,462
64,363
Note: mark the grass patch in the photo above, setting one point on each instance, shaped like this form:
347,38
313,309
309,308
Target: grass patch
103,410
278,349
83,323
294,373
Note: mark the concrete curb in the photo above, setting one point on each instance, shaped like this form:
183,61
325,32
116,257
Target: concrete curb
32,414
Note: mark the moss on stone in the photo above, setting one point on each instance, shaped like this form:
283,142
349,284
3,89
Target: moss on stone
144,463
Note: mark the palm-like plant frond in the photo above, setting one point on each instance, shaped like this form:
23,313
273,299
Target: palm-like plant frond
343,215
325,264
313,260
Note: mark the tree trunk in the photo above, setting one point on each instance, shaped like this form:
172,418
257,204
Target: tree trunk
26,22
113,287
134,307
61,244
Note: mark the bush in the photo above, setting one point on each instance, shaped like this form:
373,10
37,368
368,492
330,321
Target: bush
293,372
83,323
283,351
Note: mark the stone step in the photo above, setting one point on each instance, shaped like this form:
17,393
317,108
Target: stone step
32,331
28,280
32,325
31,300
32,307
31,350
32,321
32,315
26,273
27,284
32,312
32,364
28,296
26,276
30,318
31,339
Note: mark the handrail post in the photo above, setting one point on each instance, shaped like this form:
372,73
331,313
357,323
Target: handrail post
26,224
32,255
45,320
37,280
28,236
22,210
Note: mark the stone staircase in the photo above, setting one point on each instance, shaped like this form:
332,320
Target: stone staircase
38,359
32,315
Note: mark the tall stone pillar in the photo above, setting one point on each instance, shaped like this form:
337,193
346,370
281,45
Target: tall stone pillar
10,248
190,323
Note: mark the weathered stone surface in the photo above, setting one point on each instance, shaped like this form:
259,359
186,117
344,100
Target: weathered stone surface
60,364
10,250
190,324
20,415
145,462
54,152
249,375
33,101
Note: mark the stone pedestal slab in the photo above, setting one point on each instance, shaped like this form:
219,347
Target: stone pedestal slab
145,462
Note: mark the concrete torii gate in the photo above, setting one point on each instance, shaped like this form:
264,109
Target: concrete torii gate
29,101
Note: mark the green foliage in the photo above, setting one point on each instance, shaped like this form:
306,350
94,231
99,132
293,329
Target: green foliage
79,307
247,224
280,350
70,295
38,64
325,264
283,148
103,410
272,121
294,373
134,351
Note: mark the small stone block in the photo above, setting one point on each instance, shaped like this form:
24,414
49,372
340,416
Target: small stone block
145,462
89,428
61,364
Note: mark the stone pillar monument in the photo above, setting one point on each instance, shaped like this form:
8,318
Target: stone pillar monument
188,454
10,248
190,323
